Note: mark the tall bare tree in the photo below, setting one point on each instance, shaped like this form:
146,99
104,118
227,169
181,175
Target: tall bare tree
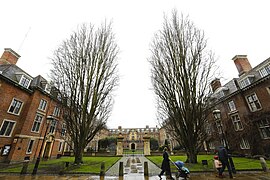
85,72
181,73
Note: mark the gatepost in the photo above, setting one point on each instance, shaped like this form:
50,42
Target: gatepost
119,149
146,144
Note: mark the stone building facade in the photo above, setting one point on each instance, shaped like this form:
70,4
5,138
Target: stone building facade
132,137
244,103
26,104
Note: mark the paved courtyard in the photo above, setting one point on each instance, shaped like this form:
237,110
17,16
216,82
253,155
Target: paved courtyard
133,170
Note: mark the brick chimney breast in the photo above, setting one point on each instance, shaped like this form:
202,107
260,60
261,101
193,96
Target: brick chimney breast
242,64
215,84
9,57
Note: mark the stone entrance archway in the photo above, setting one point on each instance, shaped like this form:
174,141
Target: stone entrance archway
146,145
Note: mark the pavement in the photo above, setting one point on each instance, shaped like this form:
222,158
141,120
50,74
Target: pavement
134,170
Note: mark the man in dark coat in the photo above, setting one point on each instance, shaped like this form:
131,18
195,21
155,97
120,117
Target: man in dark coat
223,157
165,166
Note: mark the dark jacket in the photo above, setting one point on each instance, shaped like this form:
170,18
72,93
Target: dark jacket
222,154
166,162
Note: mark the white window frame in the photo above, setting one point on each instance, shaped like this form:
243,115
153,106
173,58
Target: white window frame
37,122
25,81
41,105
56,111
60,147
63,130
31,142
264,71
53,126
237,124
5,131
244,82
264,128
232,106
48,88
15,106
253,104
244,144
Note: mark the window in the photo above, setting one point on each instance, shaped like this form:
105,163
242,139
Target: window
219,127
264,128
15,107
268,89
60,146
30,147
25,82
42,105
237,124
231,106
48,88
244,144
64,129
220,94
265,70
7,128
37,123
53,126
253,102
245,82
56,111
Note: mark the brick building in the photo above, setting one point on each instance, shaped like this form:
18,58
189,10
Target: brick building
244,103
26,102
132,136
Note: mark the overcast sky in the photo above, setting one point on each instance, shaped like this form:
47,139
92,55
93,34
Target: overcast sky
35,28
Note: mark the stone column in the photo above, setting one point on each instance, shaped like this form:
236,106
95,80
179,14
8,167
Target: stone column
146,144
119,149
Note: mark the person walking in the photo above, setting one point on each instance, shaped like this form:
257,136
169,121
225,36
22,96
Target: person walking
217,164
224,157
165,166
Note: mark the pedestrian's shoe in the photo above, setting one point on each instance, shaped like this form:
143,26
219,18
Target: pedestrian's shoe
159,176
171,178
220,176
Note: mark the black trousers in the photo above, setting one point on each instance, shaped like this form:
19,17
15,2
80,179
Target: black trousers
168,173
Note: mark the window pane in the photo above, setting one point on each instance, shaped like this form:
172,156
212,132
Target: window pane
4,127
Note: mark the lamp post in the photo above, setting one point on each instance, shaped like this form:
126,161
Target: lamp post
48,121
217,117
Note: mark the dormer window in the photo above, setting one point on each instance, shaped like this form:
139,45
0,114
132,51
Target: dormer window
25,81
244,82
264,71
48,88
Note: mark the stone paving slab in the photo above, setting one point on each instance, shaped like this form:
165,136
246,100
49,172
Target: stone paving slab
153,169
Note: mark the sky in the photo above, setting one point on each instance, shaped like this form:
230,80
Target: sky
35,28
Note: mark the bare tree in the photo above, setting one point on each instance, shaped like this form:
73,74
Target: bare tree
181,74
85,72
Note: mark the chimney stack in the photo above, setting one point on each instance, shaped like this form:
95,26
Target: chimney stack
215,84
9,57
242,64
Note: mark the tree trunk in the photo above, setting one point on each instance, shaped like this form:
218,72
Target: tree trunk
191,157
78,153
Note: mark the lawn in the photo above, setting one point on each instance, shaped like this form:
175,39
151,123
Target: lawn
91,165
239,162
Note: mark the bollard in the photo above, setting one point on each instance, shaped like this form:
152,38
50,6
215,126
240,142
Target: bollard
25,166
264,165
102,171
121,169
146,173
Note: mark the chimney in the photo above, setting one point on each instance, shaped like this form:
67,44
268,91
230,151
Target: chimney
215,84
242,64
9,57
